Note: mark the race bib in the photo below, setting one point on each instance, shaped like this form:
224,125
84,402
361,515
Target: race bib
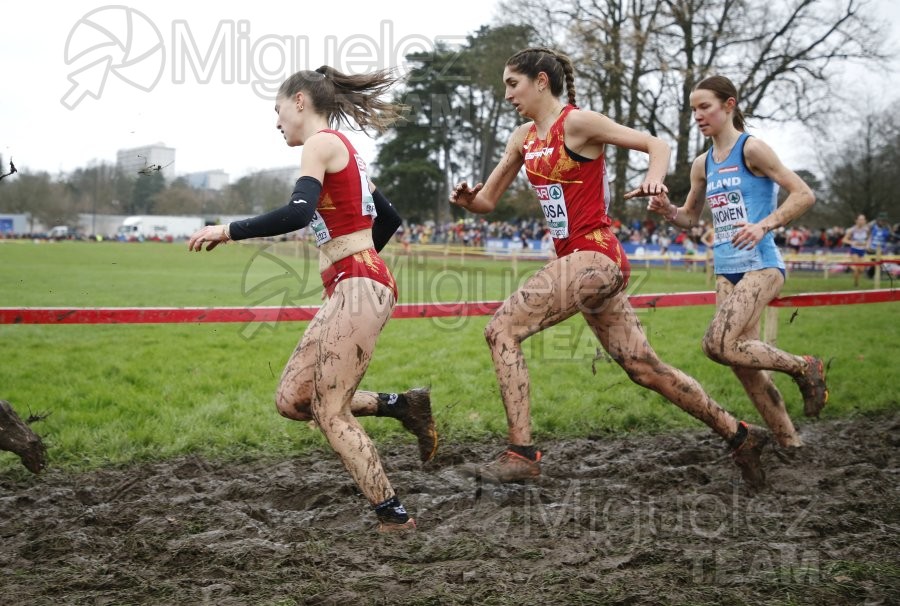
553,204
368,203
728,209
320,229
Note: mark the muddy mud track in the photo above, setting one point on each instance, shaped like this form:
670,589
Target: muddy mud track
659,519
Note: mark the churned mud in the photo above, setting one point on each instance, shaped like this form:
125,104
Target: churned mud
659,519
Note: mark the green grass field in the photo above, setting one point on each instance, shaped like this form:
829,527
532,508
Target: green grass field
124,393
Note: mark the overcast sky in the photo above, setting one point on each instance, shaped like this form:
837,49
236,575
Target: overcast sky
83,79
869,90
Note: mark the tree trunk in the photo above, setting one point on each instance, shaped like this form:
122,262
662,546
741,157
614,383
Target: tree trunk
17,437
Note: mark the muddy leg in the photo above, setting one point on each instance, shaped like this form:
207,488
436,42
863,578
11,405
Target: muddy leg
17,437
733,339
353,319
582,280
295,389
768,401
295,392
622,335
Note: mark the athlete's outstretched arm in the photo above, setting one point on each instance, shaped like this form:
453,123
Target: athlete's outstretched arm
687,215
587,130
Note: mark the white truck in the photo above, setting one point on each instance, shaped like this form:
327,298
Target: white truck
159,227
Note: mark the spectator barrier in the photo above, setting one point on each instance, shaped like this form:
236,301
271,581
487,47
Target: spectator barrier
271,314
171,315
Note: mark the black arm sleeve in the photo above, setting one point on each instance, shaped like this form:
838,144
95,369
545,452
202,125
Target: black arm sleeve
295,215
386,222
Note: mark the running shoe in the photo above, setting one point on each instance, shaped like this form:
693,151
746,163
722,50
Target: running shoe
746,455
509,467
812,387
418,421
386,527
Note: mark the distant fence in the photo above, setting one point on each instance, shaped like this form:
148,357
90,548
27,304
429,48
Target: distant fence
270,314
648,256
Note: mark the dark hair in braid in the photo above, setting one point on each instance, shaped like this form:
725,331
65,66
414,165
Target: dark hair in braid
724,89
557,66
347,99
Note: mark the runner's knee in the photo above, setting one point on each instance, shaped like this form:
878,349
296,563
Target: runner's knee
497,331
714,345
292,407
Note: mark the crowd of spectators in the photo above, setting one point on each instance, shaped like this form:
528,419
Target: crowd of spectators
533,234
475,231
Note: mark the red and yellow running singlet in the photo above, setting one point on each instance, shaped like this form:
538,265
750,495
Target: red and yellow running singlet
573,194
345,204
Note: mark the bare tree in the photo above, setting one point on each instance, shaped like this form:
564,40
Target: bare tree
45,200
641,59
615,55
12,169
861,170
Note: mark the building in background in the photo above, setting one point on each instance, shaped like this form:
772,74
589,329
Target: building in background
140,160
215,180
88,224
